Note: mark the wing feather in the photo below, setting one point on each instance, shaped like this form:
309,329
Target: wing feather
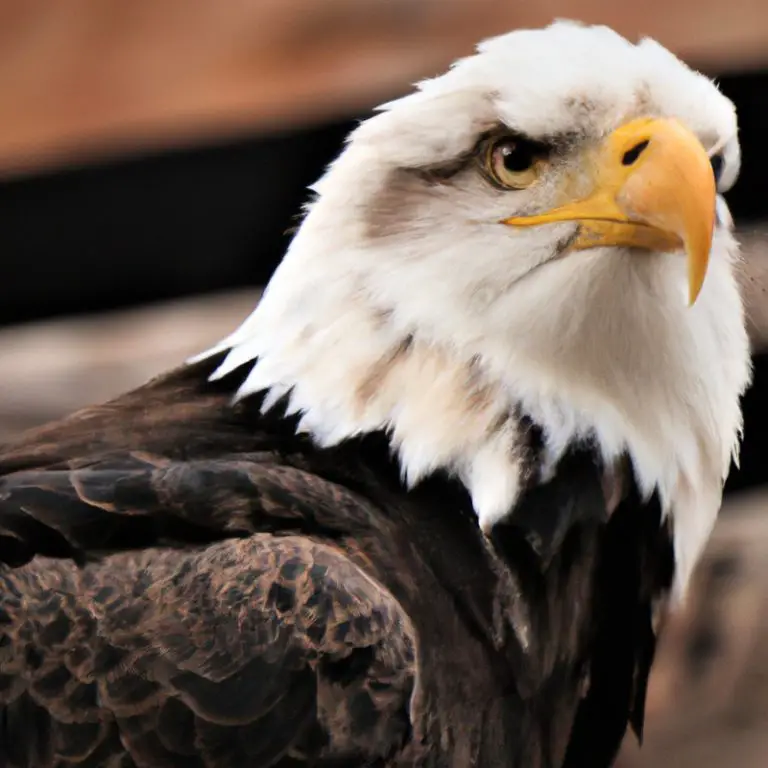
131,501
218,656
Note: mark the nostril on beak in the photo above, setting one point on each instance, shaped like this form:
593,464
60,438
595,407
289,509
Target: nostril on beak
631,155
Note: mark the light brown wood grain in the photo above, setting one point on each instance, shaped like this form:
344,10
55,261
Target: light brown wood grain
53,367
81,78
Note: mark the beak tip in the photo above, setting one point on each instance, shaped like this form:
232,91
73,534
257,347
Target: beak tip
695,284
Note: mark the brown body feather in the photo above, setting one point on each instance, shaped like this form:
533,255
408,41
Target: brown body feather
195,585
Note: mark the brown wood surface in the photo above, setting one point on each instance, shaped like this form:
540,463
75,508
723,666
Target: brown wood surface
80,78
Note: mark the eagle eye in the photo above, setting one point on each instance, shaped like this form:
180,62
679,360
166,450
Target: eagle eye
513,162
717,161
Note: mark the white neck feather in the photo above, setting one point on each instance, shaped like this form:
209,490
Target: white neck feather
633,368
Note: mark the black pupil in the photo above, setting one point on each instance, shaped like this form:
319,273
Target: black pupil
717,166
517,157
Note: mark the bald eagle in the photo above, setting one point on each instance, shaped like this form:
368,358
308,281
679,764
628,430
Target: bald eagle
430,503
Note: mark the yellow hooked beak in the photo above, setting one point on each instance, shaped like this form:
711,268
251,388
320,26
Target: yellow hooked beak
654,189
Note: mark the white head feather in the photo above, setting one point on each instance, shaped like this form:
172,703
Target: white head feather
403,304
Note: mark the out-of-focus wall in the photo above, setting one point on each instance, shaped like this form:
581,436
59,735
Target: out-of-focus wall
708,695
82,78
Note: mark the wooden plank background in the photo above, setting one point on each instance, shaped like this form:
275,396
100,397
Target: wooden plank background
80,78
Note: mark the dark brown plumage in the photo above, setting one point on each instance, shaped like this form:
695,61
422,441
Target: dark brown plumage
223,593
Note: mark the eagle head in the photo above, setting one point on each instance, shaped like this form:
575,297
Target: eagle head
535,236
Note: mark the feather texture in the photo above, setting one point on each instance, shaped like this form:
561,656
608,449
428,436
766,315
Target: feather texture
244,596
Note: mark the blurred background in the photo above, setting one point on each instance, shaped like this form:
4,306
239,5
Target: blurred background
153,155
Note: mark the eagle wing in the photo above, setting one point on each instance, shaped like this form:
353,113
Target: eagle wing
134,500
170,464
258,651
206,603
